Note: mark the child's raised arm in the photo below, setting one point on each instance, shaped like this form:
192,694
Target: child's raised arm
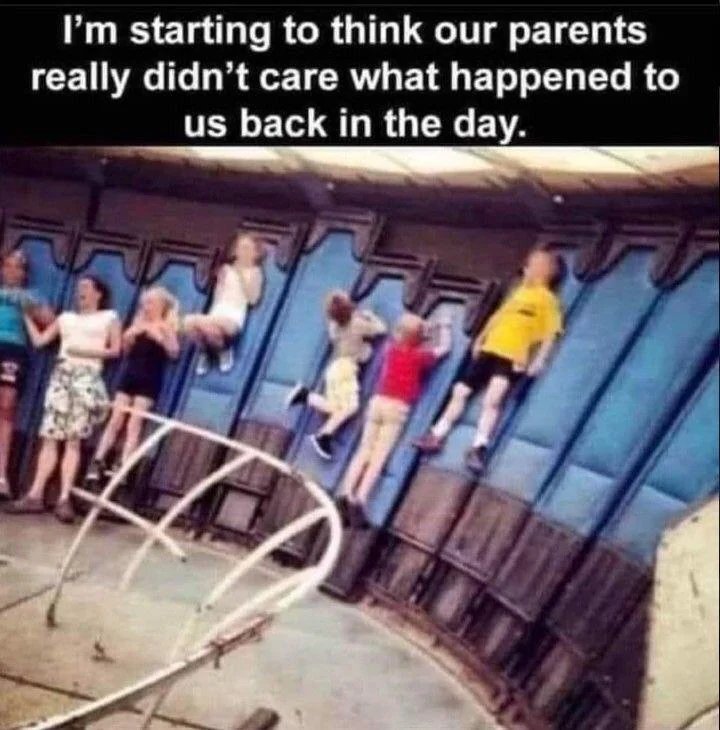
443,344
44,338
373,325
252,280
166,336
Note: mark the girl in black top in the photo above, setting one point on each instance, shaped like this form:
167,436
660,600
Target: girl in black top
148,343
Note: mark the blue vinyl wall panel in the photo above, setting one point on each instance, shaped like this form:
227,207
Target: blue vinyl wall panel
683,470
297,346
667,352
604,323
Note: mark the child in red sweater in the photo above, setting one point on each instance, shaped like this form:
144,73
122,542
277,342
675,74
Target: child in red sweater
407,360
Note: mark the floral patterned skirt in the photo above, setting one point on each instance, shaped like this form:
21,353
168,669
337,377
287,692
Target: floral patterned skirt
76,402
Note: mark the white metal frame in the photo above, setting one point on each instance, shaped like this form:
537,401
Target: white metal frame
240,625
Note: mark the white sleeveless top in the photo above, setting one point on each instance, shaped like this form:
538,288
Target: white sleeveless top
85,331
230,300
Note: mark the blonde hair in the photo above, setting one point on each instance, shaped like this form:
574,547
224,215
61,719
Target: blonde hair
260,250
171,306
409,328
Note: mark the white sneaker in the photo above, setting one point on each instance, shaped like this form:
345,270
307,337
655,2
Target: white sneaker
4,489
202,367
226,360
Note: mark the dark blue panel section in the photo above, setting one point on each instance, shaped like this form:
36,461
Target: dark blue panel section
179,279
212,400
683,469
604,322
386,301
673,342
50,281
297,346
398,468
460,439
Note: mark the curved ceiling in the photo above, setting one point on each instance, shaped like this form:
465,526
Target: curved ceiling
561,169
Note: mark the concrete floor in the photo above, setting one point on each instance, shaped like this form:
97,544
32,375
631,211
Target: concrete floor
323,666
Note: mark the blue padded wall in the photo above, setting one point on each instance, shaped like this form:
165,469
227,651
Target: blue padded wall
401,461
385,300
460,438
604,322
50,280
296,348
211,400
683,470
672,343
179,278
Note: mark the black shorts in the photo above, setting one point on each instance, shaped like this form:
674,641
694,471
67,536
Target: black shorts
14,362
145,385
477,373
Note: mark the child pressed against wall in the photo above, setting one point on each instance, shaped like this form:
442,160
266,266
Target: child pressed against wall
238,287
76,400
350,331
516,341
17,301
149,344
406,362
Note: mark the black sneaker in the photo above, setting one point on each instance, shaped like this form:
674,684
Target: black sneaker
343,508
322,443
94,473
297,397
476,459
358,516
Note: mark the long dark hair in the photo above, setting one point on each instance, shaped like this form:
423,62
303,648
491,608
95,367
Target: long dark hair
102,288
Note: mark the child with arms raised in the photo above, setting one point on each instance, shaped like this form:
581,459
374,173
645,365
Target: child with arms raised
350,331
238,287
76,400
406,362
516,341
17,301
149,343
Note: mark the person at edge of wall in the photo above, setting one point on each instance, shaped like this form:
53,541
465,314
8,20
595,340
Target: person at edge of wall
238,287
17,301
350,331
149,344
515,342
407,359
75,400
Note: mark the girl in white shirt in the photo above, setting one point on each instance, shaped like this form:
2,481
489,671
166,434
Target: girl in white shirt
239,287
76,400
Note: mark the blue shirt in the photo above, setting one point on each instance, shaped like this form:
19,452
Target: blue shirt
13,303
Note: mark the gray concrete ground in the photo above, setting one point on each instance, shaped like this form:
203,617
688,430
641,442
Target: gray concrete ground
323,666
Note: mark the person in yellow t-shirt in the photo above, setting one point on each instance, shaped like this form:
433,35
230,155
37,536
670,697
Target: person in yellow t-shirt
515,341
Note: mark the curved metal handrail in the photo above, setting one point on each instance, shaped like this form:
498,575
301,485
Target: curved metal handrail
240,624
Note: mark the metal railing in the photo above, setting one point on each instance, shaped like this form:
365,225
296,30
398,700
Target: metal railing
242,624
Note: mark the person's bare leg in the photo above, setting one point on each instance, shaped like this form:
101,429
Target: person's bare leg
319,403
492,405
361,457
8,407
337,420
135,426
385,442
213,332
114,426
69,468
453,411
46,463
